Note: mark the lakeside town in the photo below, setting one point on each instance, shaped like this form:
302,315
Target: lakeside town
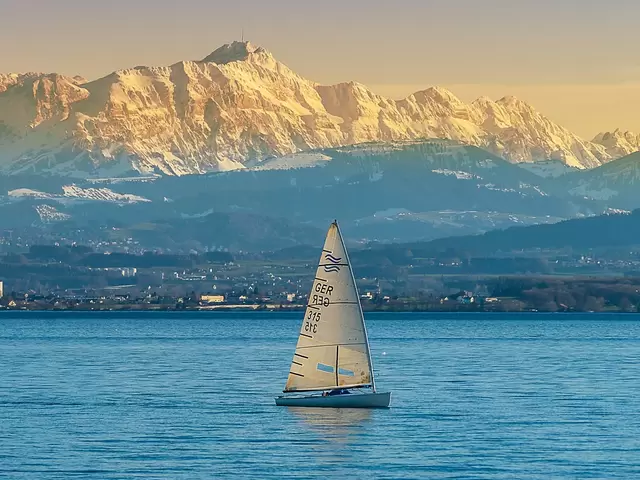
72,277
462,301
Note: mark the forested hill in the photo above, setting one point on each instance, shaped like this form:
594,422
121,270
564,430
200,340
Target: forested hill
613,230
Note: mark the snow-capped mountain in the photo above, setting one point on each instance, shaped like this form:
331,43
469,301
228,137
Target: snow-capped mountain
515,130
239,106
618,143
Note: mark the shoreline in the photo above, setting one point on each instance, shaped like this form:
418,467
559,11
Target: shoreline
134,308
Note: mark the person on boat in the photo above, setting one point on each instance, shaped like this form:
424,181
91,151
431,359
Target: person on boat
339,391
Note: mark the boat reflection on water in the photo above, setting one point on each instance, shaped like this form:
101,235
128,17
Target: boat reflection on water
336,432
337,425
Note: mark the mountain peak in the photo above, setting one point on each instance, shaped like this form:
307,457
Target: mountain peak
9,79
617,133
236,52
483,100
618,143
438,93
514,102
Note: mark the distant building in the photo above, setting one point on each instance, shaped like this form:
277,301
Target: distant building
1,289
212,299
129,272
291,297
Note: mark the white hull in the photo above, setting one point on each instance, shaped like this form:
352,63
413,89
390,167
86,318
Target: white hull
354,400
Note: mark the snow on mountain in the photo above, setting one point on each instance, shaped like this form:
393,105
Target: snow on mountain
29,193
49,214
101,194
585,190
460,175
295,160
10,79
483,221
524,135
547,169
616,211
616,181
115,180
73,192
239,106
532,188
618,143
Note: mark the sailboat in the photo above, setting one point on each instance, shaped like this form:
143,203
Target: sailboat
332,365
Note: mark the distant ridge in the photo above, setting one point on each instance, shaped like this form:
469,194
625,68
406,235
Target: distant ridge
240,105
616,229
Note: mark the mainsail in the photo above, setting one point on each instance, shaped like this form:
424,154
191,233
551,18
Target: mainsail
333,349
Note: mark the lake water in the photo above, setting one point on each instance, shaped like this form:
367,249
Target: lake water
191,396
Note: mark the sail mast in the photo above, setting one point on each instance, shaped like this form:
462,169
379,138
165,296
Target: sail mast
337,365
364,327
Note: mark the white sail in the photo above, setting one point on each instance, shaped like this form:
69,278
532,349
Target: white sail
332,350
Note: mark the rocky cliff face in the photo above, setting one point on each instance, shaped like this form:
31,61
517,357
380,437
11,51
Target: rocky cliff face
9,79
240,105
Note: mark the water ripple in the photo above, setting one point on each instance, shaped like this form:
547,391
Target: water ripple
165,396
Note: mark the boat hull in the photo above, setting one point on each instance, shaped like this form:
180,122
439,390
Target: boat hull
355,400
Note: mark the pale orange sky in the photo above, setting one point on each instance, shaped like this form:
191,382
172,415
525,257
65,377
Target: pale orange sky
575,60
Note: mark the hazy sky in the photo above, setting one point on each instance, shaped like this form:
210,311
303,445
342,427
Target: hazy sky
575,60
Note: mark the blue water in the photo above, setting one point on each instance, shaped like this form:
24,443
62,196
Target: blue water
190,396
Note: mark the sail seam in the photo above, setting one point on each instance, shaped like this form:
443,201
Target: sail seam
333,345
316,307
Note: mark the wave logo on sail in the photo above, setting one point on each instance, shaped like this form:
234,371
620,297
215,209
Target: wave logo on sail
335,260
